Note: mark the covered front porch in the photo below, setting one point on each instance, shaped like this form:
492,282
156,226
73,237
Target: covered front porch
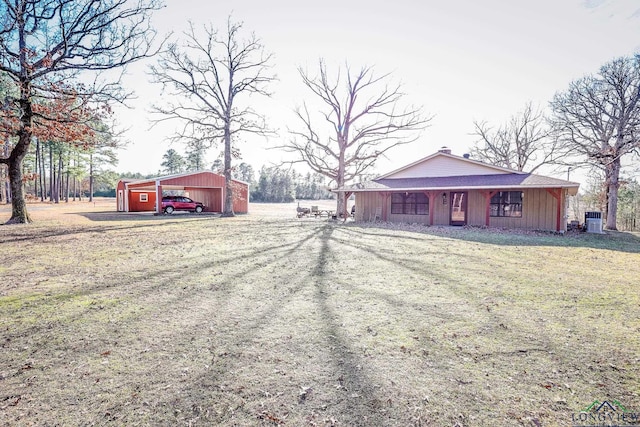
534,209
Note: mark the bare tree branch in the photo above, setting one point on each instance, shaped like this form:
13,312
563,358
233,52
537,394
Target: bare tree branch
46,46
362,120
205,79
598,118
525,142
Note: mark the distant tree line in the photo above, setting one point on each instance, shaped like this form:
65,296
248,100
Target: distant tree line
273,184
279,185
57,171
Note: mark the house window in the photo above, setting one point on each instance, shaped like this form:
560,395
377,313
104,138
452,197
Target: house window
506,203
144,197
409,203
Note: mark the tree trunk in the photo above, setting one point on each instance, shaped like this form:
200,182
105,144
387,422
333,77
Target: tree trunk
612,177
60,177
91,177
5,191
75,167
228,188
52,175
341,204
36,181
66,185
43,176
19,214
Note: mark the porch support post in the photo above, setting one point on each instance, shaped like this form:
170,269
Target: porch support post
487,205
158,198
557,194
432,204
385,198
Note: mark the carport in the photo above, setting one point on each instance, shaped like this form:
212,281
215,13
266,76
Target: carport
204,186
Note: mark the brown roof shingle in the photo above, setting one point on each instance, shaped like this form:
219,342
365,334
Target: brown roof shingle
468,181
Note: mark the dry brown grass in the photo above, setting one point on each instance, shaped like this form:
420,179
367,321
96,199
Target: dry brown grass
266,319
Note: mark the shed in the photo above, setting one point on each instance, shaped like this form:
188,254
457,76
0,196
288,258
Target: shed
204,186
444,189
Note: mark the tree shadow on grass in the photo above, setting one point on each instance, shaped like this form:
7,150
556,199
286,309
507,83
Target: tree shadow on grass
18,235
360,404
519,335
172,299
141,216
353,403
609,240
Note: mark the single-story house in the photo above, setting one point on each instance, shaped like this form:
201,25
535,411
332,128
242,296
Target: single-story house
203,186
444,189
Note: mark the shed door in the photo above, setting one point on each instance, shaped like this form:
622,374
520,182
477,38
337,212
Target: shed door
120,201
458,208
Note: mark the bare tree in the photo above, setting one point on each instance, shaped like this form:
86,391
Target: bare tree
44,46
205,79
360,122
599,120
523,143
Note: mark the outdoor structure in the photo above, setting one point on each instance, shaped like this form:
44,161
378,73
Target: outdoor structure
204,186
443,189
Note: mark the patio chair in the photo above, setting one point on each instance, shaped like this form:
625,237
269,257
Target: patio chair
377,215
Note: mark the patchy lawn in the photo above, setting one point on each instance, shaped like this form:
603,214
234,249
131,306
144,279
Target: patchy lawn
266,319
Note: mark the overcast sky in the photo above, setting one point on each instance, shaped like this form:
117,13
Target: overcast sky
462,60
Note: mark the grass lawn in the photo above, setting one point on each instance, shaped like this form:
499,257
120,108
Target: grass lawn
266,319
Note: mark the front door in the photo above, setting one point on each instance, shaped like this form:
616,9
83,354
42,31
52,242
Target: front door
458,208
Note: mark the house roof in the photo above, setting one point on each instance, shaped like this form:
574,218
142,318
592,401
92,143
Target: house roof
498,181
444,171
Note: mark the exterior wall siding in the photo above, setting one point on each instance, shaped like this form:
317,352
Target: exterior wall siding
202,179
210,197
539,210
445,166
241,198
205,187
135,205
538,213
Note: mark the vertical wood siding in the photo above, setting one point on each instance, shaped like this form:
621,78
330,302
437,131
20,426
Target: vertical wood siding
445,166
538,211
210,197
241,198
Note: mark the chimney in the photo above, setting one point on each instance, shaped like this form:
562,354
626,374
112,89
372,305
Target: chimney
444,149
466,155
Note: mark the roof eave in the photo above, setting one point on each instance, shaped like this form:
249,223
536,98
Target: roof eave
479,187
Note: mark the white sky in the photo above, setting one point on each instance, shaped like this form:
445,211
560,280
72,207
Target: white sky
462,60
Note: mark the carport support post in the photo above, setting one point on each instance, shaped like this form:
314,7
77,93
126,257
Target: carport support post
158,198
432,204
